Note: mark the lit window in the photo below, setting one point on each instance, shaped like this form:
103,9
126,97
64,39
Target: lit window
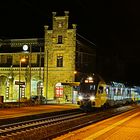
59,61
60,25
60,39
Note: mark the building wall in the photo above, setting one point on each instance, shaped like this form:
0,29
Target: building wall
53,48
51,60
10,90
10,73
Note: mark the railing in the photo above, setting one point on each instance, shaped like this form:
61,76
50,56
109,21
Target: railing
23,68
16,104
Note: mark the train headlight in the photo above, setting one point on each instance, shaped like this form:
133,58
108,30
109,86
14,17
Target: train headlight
92,98
80,97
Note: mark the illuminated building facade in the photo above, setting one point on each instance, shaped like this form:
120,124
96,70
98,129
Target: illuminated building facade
50,66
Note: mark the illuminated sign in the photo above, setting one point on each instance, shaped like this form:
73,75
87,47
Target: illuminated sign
19,83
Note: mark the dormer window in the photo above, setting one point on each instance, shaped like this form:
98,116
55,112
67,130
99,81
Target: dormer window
59,39
60,25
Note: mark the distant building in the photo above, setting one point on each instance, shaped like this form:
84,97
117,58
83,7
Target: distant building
53,64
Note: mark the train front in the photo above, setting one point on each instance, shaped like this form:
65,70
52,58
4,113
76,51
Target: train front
87,93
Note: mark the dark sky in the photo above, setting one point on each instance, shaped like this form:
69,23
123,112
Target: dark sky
101,20
113,25
26,18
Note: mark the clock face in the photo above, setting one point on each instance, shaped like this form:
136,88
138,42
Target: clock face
25,47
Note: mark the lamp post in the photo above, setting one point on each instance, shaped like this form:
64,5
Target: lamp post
21,60
28,49
47,76
30,65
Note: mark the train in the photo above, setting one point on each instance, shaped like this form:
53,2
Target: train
94,92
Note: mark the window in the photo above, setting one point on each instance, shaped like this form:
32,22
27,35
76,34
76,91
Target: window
3,59
60,25
100,89
9,59
60,39
59,61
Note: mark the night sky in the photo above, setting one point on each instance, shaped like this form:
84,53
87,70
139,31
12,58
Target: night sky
114,26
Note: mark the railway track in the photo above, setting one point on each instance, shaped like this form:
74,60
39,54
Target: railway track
53,126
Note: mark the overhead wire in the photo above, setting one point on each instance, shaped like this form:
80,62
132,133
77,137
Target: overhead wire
86,39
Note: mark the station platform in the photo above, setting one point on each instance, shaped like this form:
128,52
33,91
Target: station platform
125,126
6,113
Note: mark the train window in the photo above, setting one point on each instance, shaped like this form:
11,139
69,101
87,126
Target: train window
119,92
123,92
128,93
92,87
100,89
114,90
107,90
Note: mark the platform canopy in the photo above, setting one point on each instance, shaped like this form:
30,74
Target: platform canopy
71,83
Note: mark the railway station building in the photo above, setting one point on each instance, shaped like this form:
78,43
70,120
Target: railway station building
50,66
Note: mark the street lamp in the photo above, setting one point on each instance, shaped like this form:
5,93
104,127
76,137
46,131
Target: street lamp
21,60
28,49
25,47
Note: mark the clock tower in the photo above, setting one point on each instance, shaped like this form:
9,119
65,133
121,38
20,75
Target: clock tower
59,57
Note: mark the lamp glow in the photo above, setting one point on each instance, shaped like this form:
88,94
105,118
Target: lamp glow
25,47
